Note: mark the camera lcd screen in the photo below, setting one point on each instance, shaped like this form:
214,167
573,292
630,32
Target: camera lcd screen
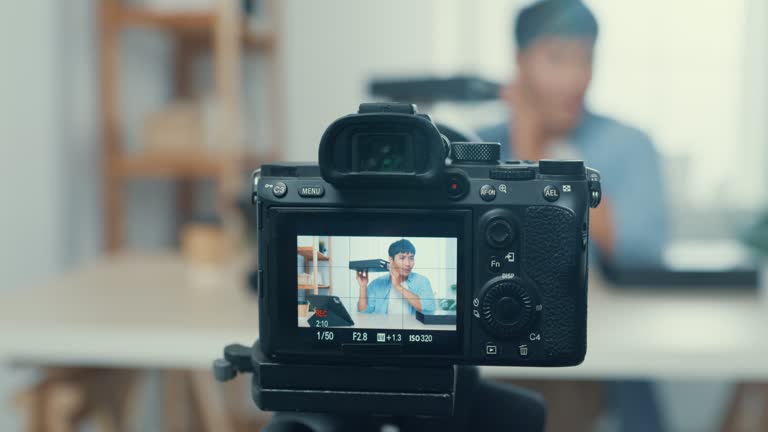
411,303
383,152
377,282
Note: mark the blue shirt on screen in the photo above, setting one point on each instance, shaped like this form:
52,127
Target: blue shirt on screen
379,289
631,181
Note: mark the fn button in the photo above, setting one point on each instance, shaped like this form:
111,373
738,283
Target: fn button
494,265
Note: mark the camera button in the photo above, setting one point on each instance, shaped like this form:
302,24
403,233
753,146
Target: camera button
499,233
491,350
279,189
457,186
551,193
488,192
311,191
508,310
495,265
523,350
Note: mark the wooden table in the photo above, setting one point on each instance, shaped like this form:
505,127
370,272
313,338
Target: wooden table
143,311
128,313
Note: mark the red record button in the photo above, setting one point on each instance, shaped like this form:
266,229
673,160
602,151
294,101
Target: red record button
457,186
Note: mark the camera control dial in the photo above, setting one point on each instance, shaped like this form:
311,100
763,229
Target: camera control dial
506,307
475,152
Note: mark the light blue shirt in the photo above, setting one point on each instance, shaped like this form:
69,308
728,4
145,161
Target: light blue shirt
379,289
631,181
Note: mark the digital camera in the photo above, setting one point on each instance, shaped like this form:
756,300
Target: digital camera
401,247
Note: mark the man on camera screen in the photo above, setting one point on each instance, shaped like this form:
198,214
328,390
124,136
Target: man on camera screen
400,290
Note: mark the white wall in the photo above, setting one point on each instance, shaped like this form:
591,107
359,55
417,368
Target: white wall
145,83
31,148
31,239
330,50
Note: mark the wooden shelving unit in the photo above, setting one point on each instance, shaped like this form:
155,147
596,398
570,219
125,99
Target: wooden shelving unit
222,31
313,256
312,287
311,253
174,21
179,166
195,26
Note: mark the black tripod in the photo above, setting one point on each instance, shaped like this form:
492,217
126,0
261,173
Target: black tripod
334,398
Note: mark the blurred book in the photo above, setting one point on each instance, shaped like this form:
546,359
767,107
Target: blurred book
371,265
428,90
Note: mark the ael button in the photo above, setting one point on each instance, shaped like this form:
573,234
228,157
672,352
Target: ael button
551,193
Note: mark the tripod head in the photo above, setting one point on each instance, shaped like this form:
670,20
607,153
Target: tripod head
327,397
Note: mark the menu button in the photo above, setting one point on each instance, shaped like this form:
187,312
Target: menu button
312,191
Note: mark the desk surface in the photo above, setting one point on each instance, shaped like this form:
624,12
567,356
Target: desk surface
142,311
132,310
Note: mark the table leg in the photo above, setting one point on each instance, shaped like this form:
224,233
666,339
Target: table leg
65,397
571,405
32,404
210,403
634,405
175,401
64,404
748,409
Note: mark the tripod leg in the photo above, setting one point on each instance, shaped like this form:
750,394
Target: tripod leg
636,406
304,422
484,405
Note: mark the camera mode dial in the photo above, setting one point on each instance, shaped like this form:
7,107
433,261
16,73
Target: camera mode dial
506,307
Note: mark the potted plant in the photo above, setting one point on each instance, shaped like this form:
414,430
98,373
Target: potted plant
449,304
321,246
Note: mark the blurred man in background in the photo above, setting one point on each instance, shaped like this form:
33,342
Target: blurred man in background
555,42
548,119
